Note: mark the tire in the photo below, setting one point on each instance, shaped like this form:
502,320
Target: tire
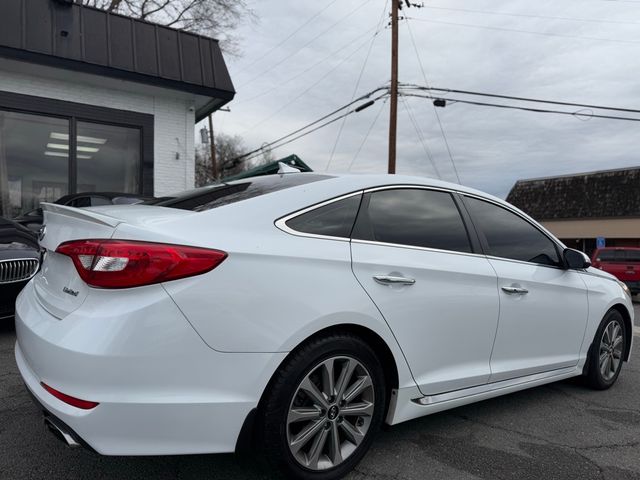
609,344
296,403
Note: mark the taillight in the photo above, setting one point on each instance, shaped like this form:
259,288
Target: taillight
68,399
126,264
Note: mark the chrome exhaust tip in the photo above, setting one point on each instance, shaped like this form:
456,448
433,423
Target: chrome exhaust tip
60,433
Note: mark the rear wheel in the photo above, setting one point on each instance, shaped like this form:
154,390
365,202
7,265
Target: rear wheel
607,352
324,408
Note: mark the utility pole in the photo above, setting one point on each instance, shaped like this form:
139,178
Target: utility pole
393,114
214,164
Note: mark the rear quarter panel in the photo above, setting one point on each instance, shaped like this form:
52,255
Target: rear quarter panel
274,290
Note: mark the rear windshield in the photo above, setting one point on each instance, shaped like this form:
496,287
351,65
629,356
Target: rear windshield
623,256
217,195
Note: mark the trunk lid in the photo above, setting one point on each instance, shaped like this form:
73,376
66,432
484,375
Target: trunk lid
58,287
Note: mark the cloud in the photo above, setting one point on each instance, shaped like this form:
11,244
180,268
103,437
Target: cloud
491,148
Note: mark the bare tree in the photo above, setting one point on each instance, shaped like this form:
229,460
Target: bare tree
218,18
228,148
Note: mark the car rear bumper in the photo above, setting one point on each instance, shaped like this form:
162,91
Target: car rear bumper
173,395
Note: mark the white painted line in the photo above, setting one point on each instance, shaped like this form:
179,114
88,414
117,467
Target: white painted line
636,331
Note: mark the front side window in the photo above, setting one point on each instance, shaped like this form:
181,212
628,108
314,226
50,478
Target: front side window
333,220
414,217
508,235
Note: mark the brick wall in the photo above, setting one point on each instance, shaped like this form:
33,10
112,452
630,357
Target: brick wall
173,124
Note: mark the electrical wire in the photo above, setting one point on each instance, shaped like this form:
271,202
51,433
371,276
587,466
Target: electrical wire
308,89
322,61
527,15
531,32
355,90
523,99
578,114
258,151
364,140
426,149
424,75
282,60
286,39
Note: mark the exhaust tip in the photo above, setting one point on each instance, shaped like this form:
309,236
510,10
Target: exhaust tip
60,433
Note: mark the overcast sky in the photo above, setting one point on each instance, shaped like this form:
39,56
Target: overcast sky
591,55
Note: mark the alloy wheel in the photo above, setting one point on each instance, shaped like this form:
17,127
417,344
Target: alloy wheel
611,346
330,413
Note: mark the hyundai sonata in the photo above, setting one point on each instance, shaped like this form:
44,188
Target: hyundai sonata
296,313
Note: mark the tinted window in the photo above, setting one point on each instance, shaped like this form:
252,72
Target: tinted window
421,218
633,255
606,255
510,236
213,196
335,219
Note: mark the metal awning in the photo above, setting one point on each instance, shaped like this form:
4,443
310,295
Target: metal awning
86,39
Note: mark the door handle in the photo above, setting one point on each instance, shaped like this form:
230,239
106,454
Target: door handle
393,280
515,290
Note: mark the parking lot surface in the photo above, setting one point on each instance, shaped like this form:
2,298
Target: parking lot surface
559,431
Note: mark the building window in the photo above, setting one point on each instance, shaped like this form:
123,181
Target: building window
30,171
108,158
50,148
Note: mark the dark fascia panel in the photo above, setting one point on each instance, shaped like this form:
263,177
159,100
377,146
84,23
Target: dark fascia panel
86,39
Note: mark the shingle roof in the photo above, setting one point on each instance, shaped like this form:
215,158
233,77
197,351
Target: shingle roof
603,194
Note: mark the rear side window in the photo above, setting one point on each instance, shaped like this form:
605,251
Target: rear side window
510,236
333,220
218,195
415,217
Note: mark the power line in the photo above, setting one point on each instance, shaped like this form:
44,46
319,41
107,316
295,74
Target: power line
424,75
281,61
523,99
287,38
578,114
295,77
311,87
421,139
364,140
531,32
355,90
249,155
528,15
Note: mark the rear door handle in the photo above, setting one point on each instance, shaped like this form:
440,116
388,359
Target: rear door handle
515,290
393,280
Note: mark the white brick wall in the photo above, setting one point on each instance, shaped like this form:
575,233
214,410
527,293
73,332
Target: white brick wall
174,118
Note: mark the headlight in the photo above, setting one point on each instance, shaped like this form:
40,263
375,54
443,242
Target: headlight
625,288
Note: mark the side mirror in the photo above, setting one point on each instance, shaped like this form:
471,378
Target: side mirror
575,259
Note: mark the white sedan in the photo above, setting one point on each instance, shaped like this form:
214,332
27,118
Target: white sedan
296,313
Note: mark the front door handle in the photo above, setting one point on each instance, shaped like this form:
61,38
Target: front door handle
393,280
515,290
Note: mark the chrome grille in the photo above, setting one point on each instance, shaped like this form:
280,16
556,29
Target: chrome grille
17,270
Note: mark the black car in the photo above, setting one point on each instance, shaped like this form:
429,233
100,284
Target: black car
19,261
33,219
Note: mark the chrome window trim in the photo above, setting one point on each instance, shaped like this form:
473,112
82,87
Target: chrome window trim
281,223
415,247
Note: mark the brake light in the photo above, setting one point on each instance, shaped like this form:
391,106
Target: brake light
68,399
126,264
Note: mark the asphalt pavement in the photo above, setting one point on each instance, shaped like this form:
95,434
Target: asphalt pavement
558,431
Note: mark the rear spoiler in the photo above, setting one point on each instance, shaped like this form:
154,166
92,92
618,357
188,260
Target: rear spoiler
80,214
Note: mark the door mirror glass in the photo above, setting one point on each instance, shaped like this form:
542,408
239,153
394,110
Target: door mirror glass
576,260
